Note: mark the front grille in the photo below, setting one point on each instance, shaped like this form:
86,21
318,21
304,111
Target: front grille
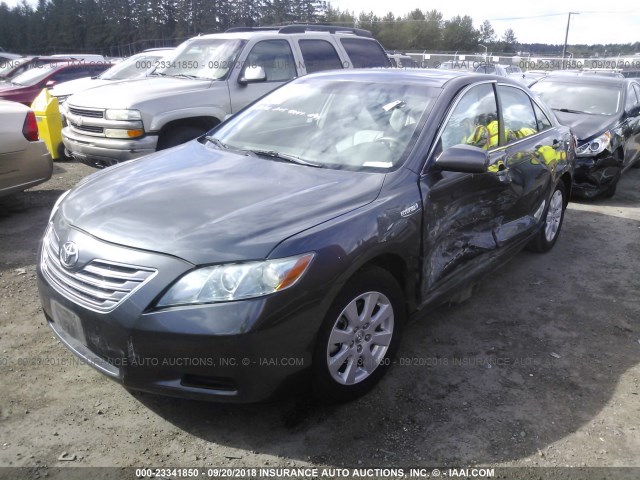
84,112
100,285
86,128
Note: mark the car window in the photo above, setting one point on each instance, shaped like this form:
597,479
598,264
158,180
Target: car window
543,121
474,121
275,57
636,87
334,124
319,55
517,112
580,96
71,74
631,99
365,53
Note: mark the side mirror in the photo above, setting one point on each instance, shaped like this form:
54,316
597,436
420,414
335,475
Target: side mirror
50,83
253,74
463,158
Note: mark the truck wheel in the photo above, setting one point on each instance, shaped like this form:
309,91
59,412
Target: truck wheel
359,336
179,135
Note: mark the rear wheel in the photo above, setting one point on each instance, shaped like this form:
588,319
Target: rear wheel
359,336
548,234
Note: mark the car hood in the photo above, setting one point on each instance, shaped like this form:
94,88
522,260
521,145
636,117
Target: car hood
69,88
585,126
207,205
131,93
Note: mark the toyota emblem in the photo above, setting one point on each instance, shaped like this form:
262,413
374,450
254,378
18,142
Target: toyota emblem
69,254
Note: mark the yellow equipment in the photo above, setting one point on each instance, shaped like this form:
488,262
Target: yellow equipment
47,114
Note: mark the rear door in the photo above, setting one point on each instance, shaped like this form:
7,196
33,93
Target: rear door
533,151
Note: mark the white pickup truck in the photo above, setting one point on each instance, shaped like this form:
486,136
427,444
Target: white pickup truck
207,78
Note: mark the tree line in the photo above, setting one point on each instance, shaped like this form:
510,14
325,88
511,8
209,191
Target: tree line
123,27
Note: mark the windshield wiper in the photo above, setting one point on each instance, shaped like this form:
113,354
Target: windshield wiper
568,110
286,157
159,74
218,143
184,75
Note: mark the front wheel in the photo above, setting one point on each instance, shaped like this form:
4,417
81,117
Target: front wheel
359,336
548,234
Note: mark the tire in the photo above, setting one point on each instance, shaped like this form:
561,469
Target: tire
611,190
340,372
554,215
179,135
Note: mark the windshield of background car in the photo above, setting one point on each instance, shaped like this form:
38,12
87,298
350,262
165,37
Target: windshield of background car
203,58
7,66
132,67
35,75
355,125
597,99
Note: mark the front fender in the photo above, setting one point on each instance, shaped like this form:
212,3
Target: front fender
162,118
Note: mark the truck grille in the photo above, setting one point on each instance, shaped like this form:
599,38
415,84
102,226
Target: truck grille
100,285
86,128
84,112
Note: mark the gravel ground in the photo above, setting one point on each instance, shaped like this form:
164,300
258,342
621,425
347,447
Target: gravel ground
539,368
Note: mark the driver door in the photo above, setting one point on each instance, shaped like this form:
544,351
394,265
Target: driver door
461,210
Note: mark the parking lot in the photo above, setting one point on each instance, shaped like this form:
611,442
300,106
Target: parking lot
541,367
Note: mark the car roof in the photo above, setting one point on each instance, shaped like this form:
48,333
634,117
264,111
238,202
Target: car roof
428,76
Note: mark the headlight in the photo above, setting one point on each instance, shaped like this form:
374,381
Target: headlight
595,146
122,115
57,204
120,133
223,283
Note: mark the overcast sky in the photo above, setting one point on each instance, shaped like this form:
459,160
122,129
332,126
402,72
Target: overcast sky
599,22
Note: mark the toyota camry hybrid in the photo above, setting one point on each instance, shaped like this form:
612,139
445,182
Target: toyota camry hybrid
293,240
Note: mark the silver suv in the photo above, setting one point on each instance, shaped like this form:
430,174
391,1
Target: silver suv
207,78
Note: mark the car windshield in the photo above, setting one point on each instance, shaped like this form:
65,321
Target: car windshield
132,67
356,125
6,66
577,97
202,58
35,75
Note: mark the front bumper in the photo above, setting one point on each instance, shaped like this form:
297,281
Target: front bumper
100,152
594,176
241,351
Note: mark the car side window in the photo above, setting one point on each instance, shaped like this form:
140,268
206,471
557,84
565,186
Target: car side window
474,120
636,87
632,99
543,121
275,57
71,74
319,55
517,112
365,53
